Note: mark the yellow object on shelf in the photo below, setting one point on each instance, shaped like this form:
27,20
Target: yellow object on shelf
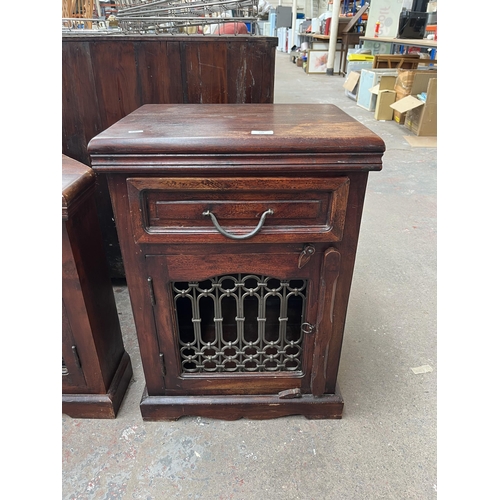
360,57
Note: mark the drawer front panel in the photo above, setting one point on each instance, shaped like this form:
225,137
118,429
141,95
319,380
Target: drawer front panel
164,212
176,210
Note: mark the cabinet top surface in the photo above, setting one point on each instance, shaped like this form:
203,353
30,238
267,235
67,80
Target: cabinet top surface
245,129
76,179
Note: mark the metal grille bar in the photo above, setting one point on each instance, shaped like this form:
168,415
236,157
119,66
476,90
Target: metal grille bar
240,323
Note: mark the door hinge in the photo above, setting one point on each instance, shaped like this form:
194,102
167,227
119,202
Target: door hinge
151,291
290,393
163,367
75,355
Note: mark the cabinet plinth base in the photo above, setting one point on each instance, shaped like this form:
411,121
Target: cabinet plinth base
234,407
101,405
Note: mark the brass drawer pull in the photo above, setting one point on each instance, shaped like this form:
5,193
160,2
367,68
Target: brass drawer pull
235,236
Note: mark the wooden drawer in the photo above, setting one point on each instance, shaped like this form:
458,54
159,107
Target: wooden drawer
259,210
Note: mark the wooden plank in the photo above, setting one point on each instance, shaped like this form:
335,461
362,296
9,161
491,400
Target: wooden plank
117,88
260,73
355,18
155,60
80,121
204,72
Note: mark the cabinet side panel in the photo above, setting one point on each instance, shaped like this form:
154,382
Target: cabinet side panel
97,290
347,249
77,316
136,274
73,379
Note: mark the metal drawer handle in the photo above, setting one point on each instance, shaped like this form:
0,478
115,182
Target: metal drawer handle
235,236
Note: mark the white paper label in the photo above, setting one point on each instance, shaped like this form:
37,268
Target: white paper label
262,132
421,369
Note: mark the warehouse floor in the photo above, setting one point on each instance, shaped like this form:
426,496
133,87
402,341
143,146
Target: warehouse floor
385,445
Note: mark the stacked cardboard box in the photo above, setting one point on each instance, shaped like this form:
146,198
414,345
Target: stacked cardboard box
369,79
408,97
411,82
384,95
421,114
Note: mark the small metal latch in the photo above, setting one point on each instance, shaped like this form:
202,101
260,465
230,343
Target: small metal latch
151,291
290,393
76,356
305,255
163,367
307,327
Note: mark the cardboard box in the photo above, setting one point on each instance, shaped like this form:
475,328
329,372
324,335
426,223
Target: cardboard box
411,82
383,110
351,84
370,78
421,116
385,96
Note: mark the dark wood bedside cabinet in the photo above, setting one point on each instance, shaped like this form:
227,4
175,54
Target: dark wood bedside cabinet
238,225
96,369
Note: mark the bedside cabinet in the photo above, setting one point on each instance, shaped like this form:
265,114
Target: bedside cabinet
238,225
96,369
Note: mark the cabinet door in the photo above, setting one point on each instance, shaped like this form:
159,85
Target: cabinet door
238,323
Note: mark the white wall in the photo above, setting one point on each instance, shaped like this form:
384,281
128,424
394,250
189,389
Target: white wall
310,8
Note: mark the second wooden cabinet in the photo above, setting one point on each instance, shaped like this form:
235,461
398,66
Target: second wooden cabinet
238,225
96,368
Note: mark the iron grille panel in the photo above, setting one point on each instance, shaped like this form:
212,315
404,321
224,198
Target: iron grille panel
240,323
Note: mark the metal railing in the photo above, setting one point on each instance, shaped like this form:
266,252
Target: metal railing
201,17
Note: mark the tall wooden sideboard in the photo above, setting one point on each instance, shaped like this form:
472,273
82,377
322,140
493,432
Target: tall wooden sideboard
106,77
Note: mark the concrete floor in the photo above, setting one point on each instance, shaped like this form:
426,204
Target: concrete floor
385,445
